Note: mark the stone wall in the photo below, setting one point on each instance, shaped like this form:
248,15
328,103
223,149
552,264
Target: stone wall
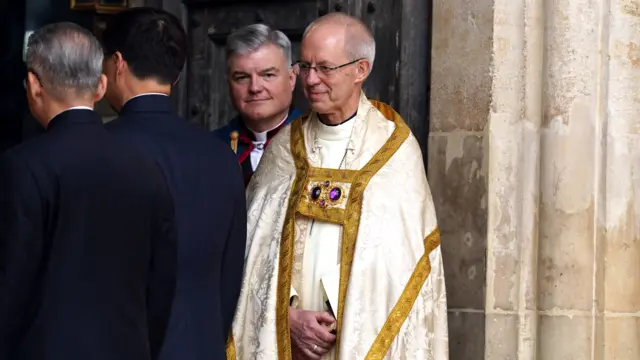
535,155
460,106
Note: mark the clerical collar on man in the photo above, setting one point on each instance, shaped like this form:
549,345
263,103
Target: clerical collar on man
262,137
340,123
335,133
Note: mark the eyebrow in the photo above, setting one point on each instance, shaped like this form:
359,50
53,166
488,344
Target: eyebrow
319,63
269,69
239,73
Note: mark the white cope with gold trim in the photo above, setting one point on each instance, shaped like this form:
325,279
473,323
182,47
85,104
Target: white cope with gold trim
392,301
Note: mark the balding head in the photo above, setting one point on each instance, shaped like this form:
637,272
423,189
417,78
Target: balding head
358,40
336,56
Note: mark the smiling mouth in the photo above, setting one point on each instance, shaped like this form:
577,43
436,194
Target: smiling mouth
257,100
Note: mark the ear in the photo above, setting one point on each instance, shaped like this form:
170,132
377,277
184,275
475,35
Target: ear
362,70
292,79
118,60
102,88
34,87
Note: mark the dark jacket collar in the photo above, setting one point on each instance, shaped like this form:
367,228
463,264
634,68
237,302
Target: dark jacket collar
242,127
74,116
148,103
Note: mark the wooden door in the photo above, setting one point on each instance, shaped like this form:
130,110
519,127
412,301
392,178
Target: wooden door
210,24
400,75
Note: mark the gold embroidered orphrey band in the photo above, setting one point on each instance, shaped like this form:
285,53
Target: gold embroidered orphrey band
349,217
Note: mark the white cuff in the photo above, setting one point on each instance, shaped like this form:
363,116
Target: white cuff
294,299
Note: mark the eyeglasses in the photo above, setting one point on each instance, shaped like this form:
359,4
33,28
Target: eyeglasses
303,68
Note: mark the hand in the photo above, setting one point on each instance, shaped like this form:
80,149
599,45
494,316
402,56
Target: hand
310,336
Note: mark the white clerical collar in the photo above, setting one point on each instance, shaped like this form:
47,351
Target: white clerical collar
262,136
335,132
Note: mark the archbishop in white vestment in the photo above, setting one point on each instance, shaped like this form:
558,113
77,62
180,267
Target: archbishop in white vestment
355,227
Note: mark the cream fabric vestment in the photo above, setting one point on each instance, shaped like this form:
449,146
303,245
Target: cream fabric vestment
392,297
322,245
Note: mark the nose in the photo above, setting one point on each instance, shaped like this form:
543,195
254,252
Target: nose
256,84
311,77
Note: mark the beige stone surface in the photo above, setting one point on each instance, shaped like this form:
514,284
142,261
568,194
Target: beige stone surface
538,102
460,65
623,70
622,338
622,246
501,339
565,337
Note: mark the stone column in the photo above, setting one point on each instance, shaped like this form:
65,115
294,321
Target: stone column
571,147
618,261
513,173
562,233
559,150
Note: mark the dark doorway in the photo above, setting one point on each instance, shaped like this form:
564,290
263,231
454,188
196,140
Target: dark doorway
17,20
400,77
13,103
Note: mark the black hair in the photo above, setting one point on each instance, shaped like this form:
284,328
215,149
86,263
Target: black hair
151,41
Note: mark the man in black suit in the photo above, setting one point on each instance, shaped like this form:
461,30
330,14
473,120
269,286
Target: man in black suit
87,241
145,53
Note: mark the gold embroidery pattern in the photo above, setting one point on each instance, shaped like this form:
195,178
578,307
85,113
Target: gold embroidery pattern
360,180
324,208
324,197
404,304
321,174
286,244
231,347
354,207
333,215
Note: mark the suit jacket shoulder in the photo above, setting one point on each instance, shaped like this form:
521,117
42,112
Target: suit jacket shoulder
235,124
224,133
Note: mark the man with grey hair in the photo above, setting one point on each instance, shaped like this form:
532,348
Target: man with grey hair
87,241
343,259
261,82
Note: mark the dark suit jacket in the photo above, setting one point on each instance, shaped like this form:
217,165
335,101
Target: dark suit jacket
208,191
87,246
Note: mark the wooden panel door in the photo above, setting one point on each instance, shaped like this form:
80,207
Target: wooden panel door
210,24
400,75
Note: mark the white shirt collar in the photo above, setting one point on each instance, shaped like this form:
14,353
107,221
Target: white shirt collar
72,108
79,108
144,94
262,136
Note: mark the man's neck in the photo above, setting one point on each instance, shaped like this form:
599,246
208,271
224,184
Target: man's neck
57,108
341,115
264,125
142,87
60,107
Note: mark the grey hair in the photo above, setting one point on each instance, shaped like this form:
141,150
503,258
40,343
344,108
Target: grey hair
359,42
250,38
65,57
